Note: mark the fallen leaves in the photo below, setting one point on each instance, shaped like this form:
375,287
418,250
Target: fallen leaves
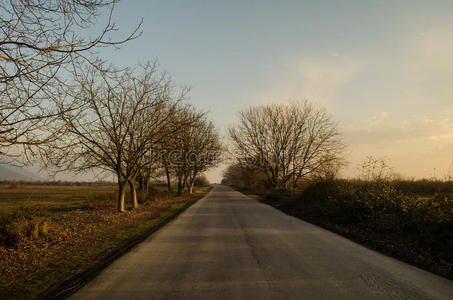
75,241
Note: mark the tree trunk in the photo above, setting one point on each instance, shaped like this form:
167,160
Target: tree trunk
133,194
146,189
141,185
179,185
184,182
121,193
167,173
191,187
188,186
191,182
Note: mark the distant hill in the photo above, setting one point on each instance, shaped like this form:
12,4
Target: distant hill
8,172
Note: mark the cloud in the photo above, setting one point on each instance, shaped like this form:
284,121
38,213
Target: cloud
324,80
415,145
393,103
397,130
317,80
420,72
429,65
378,118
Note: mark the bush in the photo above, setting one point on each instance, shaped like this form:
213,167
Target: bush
201,181
378,205
21,224
278,196
424,187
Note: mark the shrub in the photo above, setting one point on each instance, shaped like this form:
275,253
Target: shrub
424,187
379,205
273,196
21,224
279,196
201,181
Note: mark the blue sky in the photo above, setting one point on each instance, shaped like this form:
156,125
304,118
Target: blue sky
383,69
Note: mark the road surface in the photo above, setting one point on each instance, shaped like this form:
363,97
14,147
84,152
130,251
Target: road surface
229,246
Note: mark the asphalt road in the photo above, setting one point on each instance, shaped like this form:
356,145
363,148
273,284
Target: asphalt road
229,246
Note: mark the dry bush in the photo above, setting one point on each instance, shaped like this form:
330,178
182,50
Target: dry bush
424,187
382,208
201,181
22,224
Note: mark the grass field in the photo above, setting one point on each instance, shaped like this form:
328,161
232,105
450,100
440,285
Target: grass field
77,236
51,196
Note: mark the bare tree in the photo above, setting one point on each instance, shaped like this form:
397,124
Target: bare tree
118,121
329,170
165,152
287,142
244,177
204,150
40,43
196,149
151,128
317,146
166,149
151,168
376,169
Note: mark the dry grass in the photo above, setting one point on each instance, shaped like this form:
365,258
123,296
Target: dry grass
76,239
49,196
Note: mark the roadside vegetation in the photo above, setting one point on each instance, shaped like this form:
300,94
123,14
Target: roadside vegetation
67,109
409,219
61,232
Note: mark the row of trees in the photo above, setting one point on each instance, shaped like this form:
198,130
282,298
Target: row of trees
284,143
132,123
59,100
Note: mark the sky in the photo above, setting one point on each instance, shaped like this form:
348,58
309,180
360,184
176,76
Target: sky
382,69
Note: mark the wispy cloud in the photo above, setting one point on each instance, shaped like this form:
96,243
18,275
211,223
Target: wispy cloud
415,145
396,104
325,80
314,79
377,119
